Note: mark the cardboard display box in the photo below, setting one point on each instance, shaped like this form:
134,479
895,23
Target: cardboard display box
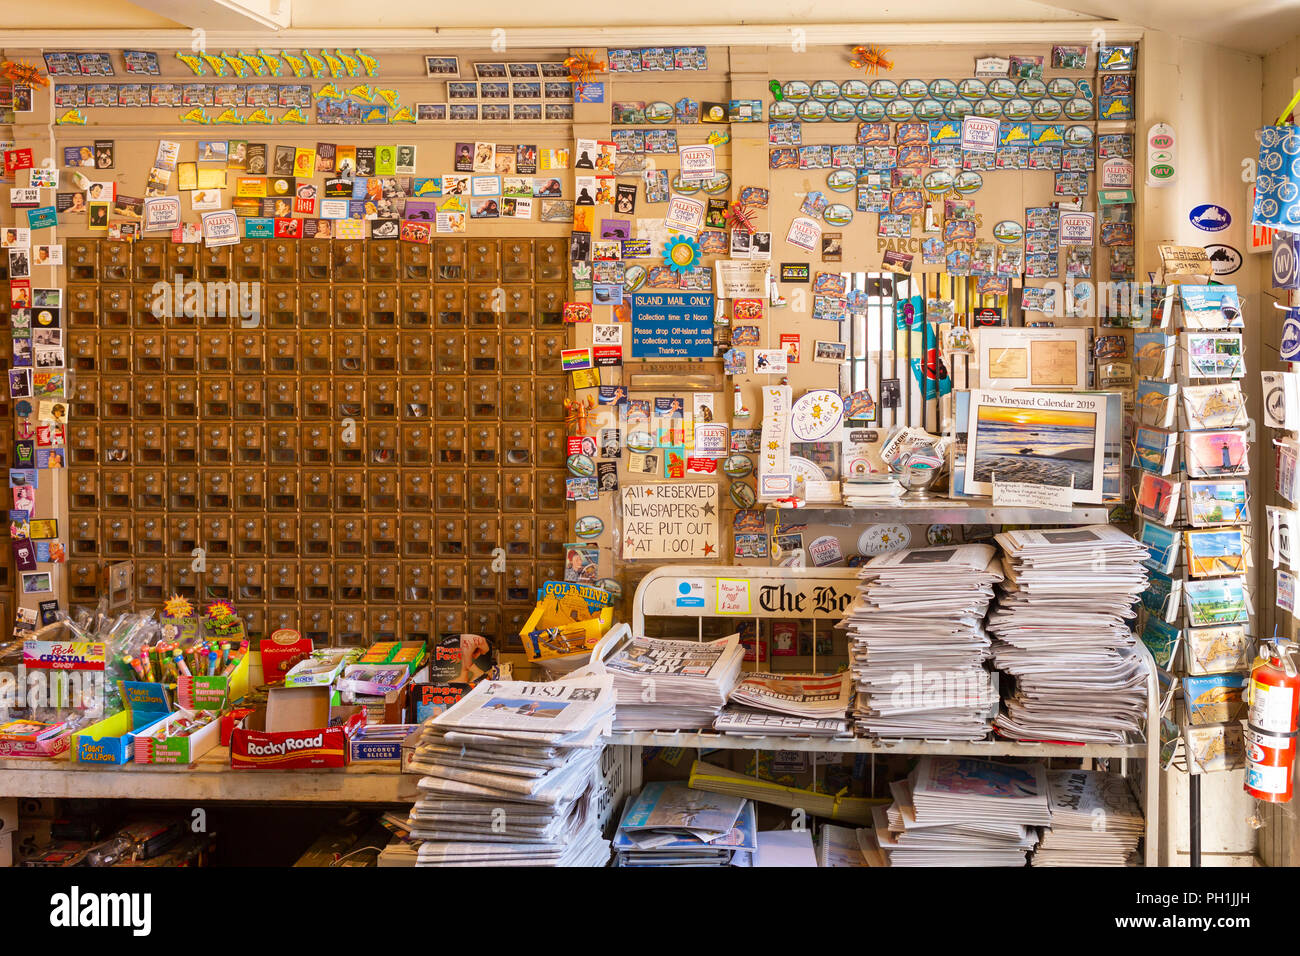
158,745
298,728
216,691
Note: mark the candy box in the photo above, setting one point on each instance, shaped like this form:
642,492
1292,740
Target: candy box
112,740
321,668
215,691
380,742
298,728
281,651
25,738
164,743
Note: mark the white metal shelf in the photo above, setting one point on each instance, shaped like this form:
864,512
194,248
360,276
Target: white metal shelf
706,740
947,511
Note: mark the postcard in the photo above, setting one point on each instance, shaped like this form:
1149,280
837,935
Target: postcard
1161,640
1216,454
1215,552
1216,601
1214,698
1213,355
1156,403
1212,503
1154,450
1157,498
1213,650
1214,406
1162,546
1153,354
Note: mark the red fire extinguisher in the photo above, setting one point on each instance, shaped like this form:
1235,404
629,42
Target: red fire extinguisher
1270,735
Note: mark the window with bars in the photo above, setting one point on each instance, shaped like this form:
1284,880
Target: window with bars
881,357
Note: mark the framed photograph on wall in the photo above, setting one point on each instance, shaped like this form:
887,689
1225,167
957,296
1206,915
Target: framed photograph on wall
1033,358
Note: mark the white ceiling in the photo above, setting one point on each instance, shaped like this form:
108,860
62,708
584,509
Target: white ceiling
1255,26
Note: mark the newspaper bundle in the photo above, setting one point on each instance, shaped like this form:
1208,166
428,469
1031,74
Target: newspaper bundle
1096,821
787,704
672,685
512,776
958,811
917,644
1062,631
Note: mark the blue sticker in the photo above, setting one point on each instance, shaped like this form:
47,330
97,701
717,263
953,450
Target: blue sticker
1209,217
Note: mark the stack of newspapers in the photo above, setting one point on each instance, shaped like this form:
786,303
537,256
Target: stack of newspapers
672,685
848,846
960,811
917,644
1062,631
1096,821
787,705
865,491
512,776
671,824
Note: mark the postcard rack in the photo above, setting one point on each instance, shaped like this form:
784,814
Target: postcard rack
820,595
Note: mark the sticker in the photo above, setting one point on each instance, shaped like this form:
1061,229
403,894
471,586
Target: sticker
825,551
1209,217
816,414
588,526
1225,260
742,494
690,593
1008,231
737,466
838,214
881,538
581,466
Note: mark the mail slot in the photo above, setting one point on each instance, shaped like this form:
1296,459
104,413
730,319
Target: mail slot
483,534
350,582
415,308
282,261
349,261
182,535
349,307
248,353
383,490
383,348
350,535
416,258
282,444
450,534
214,351
282,307
183,490
382,402
249,261
282,352
250,443
150,491
415,491
182,348
383,536
83,580
317,490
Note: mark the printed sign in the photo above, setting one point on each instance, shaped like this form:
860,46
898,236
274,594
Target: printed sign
1077,228
804,233
697,162
979,134
220,228
672,325
673,521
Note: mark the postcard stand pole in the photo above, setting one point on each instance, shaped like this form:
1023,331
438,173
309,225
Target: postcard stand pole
1194,819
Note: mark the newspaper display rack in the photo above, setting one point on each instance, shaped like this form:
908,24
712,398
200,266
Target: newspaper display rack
820,596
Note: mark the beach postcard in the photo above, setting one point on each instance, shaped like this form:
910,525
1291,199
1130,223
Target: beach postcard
1154,448
1216,502
1216,601
1044,438
1162,546
1215,552
1156,403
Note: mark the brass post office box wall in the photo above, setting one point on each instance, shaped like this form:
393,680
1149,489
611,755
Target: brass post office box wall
352,464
